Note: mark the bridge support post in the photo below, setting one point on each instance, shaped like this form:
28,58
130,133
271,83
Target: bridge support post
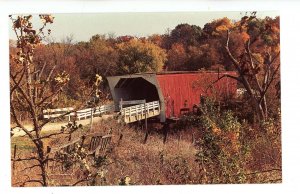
146,123
165,131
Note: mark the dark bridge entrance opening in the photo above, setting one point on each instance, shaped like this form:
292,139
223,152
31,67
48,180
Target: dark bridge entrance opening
135,89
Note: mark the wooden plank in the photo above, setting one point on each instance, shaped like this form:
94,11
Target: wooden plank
55,149
54,113
96,111
14,162
139,109
93,134
132,118
130,102
58,110
99,143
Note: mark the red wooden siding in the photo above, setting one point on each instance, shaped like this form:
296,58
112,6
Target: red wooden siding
184,90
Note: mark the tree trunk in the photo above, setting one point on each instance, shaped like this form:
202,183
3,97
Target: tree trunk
265,107
41,155
43,174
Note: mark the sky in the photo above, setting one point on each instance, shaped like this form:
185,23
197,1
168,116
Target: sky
83,26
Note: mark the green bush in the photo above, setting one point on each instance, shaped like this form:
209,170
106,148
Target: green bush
229,122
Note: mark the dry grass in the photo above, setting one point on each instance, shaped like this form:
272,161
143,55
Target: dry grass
155,162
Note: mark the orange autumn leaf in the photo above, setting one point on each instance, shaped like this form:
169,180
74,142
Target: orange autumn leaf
245,37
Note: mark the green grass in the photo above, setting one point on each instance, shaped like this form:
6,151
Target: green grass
24,144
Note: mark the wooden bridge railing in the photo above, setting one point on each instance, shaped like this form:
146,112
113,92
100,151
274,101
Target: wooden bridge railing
140,111
54,113
131,113
85,113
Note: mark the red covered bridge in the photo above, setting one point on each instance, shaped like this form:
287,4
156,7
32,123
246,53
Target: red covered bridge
175,91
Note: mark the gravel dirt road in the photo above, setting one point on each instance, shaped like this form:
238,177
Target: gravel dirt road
57,126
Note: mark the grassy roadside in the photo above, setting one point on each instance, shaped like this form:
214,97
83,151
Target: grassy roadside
156,163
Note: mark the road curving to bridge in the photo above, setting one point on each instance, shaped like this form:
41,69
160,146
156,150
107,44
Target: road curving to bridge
57,126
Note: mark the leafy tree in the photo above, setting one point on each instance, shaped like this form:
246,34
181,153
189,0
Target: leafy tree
202,57
126,38
57,57
96,57
157,39
140,56
177,57
216,28
184,52
256,58
188,35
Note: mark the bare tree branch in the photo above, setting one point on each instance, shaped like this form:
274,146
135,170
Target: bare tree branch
82,180
25,159
31,167
237,66
47,80
48,97
17,83
252,66
27,98
32,181
18,122
53,134
269,84
234,61
223,76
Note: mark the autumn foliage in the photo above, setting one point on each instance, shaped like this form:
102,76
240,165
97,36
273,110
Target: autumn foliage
186,47
231,140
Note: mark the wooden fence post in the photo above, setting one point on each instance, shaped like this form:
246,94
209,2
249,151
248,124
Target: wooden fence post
15,153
